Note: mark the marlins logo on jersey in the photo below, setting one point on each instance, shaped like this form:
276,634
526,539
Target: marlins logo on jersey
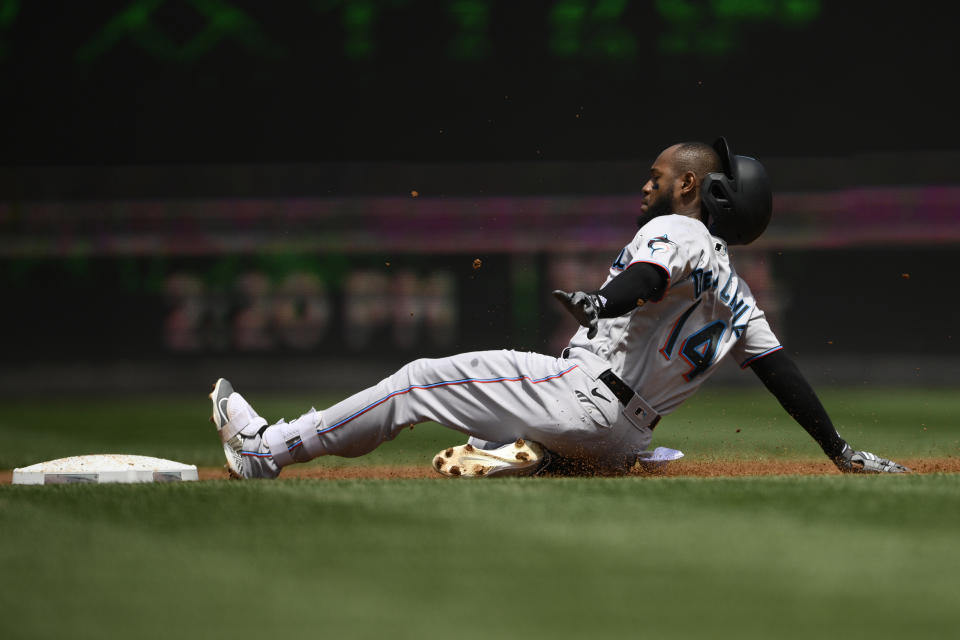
660,243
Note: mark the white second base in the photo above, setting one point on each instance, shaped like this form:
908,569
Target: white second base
103,468
658,458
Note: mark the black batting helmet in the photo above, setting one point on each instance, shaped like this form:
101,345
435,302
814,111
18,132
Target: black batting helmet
738,201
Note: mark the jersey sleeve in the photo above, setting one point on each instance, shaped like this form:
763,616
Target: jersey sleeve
673,243
756,341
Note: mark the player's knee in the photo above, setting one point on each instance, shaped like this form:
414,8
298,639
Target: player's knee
419,363
412,368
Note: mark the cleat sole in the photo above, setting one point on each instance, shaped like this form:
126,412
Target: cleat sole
519,458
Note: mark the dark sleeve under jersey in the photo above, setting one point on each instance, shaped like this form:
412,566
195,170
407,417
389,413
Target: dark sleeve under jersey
637,284
784,380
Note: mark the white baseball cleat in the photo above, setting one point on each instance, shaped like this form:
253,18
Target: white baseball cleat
241,431
520,458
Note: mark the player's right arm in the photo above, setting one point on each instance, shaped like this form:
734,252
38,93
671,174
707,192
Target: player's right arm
784,380
632,288
664,250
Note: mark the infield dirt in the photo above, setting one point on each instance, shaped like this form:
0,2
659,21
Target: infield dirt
679,469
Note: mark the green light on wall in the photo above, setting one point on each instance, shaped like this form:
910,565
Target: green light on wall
472,17
566,18
134,24
678,11
800,12
786,11
358,20
8,13
594,30
612,39
591,29
710,28
744,9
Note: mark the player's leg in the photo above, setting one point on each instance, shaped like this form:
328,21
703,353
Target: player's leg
495,395
241,431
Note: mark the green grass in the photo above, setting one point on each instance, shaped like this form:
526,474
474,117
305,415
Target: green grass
793,557
780,557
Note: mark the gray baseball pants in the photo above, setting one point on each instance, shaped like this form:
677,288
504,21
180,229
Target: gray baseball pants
493,396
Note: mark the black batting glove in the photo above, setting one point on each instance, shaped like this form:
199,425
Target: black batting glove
585,307
850,461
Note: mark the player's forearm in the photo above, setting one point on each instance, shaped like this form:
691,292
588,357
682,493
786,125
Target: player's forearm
639,283
784,380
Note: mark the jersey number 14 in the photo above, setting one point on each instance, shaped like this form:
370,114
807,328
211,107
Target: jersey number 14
699,348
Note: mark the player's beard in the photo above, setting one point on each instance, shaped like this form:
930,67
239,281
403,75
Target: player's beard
661,206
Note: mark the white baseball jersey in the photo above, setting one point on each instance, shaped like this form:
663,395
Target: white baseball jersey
665,350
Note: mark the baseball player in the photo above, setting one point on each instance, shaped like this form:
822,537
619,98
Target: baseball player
671,308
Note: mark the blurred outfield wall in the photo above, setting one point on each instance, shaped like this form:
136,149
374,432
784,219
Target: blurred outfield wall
141,280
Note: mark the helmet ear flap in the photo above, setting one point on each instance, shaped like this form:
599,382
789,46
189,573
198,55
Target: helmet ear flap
718,188
718,193
717,201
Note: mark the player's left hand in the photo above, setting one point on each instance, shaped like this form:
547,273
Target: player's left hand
582,306
851,461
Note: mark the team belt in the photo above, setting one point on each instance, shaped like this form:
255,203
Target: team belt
623,392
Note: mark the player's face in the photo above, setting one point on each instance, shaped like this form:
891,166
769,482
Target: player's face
658,192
